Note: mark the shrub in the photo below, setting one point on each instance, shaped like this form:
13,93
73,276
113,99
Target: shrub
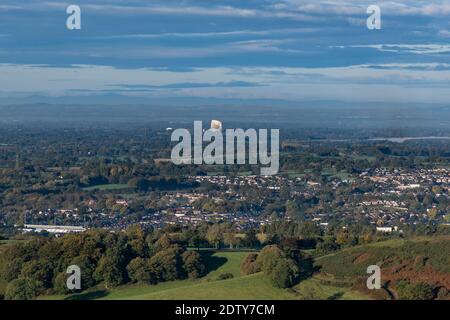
414,291
327,247
443,294
225,276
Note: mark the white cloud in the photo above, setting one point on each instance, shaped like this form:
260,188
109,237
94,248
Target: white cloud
234,33
6,7
358,7
444,33
408,48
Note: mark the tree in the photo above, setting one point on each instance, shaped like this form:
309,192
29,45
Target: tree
193,265
327,246
249,265
87,267
22,289
139,271
342,238
136,240
110,268
432,213
196,240
268,257
139,183
166,265
251,240
60,283
281,270
230,239
10,269
162,243
284,274
39,271
214,235
309,230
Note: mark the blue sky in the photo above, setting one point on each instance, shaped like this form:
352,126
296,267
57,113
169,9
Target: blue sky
296,50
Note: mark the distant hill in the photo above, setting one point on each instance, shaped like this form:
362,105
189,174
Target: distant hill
316,114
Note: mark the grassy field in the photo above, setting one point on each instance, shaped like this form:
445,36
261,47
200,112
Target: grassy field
108,187
313,289
224,262
3,242
329,173
241,288
209,287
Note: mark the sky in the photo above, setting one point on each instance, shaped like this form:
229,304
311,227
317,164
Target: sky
293,50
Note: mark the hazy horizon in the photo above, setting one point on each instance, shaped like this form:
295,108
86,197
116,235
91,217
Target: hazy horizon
287,50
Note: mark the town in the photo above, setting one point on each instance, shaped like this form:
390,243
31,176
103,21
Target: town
386,198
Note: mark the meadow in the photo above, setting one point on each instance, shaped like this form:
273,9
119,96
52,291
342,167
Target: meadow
108,187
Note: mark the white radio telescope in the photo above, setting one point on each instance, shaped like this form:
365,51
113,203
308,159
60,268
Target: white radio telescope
216,125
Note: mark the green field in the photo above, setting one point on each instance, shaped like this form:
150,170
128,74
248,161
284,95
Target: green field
329,173
313,289
2,242
108,187
210,288
248,287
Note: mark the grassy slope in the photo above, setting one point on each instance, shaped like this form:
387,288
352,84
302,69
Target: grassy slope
249,287
232,264
240,287
418,260
312,289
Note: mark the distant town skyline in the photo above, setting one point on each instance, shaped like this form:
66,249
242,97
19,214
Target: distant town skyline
295,50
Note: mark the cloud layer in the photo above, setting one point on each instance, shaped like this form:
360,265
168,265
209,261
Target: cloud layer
290,49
